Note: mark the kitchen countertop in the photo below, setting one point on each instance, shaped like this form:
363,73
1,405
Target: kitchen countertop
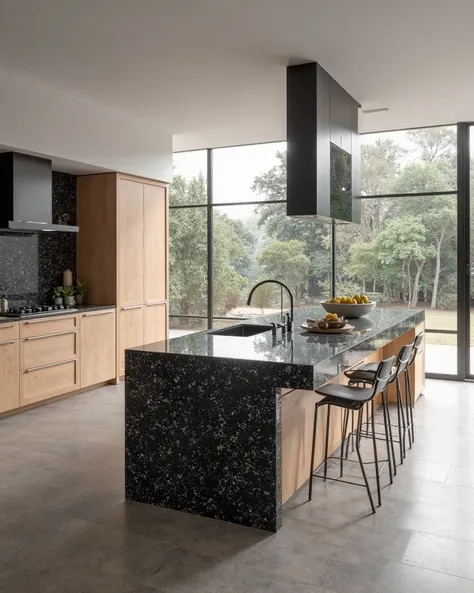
305,349
79,309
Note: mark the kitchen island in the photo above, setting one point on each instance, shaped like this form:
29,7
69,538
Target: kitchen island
221,426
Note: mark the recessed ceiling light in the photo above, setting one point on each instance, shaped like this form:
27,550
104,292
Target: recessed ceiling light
375,110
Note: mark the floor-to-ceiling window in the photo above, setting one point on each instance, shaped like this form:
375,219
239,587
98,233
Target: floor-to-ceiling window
229,230
404,253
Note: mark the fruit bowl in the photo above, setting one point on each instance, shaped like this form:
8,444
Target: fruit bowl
349,311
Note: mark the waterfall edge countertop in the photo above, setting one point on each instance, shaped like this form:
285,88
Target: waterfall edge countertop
203,412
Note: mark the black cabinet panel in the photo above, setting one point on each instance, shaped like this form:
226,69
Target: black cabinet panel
341,117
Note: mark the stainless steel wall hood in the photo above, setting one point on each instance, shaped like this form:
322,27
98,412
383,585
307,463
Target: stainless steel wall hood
26,196
323,158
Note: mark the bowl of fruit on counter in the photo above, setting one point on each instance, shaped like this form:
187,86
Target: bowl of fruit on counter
350,307
332,323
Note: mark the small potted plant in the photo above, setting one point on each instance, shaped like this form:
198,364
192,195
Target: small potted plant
68,292
58,294
81,288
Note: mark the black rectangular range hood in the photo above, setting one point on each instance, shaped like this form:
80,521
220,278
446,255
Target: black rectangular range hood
26,195
323,151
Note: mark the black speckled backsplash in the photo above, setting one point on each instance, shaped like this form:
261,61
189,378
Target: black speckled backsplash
31,265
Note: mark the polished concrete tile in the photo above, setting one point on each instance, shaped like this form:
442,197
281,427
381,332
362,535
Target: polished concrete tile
64,524
400,578
446,555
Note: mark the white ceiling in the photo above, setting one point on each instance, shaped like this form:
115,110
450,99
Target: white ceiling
212,72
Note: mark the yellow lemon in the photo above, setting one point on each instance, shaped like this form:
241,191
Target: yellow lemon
337,301
365,299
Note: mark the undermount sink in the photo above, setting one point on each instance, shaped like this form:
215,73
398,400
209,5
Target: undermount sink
244,330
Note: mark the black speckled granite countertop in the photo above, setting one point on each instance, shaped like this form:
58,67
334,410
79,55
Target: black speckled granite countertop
370,333
79,309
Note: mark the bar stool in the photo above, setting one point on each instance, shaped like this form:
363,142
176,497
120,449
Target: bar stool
365,375
351,398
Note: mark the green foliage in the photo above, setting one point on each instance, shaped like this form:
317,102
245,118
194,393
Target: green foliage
58,292
287,262
188,253
81,287
68,291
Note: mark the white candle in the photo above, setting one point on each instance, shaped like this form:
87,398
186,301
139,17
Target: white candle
67,278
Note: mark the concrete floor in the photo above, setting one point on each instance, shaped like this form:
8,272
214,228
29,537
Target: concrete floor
64,526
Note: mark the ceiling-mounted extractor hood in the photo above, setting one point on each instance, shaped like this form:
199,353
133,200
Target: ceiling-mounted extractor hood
26,196
323,147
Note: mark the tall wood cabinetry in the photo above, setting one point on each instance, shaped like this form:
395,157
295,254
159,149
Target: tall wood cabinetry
126,234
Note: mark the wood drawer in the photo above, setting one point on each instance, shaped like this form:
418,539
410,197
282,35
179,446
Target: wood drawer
9,331
9,375
41,350
48,381
48,325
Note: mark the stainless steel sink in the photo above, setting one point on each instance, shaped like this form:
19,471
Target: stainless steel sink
243,330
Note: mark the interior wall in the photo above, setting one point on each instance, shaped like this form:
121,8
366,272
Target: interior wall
37,119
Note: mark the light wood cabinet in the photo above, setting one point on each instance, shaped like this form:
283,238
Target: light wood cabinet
9,375
155,243
155,324
40,350
127,238
44,382
9,331
48,325
98,347
130,242
130,331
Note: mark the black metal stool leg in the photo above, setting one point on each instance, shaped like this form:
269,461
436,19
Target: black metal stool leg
311,468
410,396
361,463
387,438
376,458
407,406
326,445
401,422
391,438
344,432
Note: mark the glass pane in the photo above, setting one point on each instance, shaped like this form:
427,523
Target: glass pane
188,261
253,243
180,326
409,161
249,173
189,178
441,354
471,304
403,254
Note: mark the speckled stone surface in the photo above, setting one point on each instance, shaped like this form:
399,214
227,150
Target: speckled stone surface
32,264
79,309
203,412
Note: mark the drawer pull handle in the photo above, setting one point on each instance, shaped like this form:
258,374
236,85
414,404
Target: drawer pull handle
152,303
45,319
48,336
97,313
50,364
130,307
8,343
5,326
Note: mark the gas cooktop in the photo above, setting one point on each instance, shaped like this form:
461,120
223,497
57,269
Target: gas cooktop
33,310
